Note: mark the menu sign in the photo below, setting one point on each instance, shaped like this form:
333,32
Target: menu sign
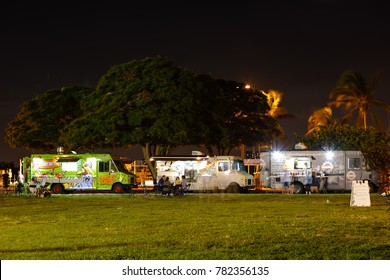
360,194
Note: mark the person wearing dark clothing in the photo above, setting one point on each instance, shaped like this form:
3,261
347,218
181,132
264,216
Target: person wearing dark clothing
5,180
167,187
309,182
160,183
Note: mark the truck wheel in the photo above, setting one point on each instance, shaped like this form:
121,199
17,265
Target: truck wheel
57,188
117,188
233,188
298,187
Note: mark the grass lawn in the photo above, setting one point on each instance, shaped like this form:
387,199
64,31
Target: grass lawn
193,227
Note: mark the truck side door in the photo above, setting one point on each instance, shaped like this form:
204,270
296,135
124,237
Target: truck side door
105,178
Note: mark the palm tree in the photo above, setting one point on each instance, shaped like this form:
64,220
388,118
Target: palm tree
356,95
319,119
277,111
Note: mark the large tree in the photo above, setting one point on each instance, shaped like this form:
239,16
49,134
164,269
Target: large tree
353,92
39,122
277,110
320,118
153,103
243,119
146,102
158,105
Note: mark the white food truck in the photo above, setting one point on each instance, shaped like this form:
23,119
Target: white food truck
206,174
334,170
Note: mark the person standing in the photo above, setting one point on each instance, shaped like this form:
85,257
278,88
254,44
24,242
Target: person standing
160,184
309,182
184,185
177,186
287,181
20,186
167,187
6,179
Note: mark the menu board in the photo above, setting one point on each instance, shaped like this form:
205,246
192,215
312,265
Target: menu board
360,193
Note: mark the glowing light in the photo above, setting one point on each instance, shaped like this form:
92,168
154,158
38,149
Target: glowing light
329,155
247,86
277,155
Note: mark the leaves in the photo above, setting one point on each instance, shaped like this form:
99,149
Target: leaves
149,102
41,119
356,95
374,145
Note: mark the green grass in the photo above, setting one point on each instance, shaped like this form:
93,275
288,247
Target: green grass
193,227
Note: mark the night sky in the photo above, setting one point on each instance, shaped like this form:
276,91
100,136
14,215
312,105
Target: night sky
299,48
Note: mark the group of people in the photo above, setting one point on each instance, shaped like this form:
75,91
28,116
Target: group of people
178,187
308,181
19,185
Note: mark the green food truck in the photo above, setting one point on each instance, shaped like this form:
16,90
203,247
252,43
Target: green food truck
65,173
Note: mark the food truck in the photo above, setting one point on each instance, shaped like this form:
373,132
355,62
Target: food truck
78,172
333,171
206,174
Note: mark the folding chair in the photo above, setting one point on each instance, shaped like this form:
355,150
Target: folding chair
131,191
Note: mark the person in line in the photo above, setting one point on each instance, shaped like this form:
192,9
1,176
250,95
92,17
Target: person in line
184,185
160,183
20,186
177,186
287,181
6,179
309,182
167,187
315,180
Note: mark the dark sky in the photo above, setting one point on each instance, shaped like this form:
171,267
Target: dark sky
299,47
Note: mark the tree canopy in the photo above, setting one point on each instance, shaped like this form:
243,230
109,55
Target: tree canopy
149,102
356,94
244,118
39,122
319,119
277,110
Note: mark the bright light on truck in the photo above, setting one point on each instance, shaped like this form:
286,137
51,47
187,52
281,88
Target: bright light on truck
277,155
329,155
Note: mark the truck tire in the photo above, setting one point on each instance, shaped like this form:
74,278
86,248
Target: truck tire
298,187
57,188
233,188
117,188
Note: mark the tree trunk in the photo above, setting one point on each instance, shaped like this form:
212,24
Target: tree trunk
147,155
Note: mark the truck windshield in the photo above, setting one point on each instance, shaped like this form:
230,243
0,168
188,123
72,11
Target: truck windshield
238,165
121,167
